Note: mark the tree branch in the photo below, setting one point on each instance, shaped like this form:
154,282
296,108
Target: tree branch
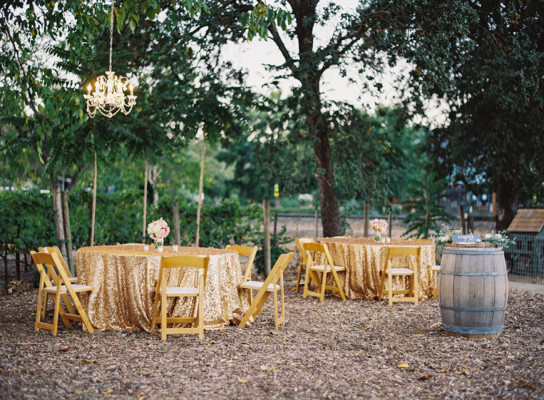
289,61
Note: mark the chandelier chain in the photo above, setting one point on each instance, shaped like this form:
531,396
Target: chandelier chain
111,31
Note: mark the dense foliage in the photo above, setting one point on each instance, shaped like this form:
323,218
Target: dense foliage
27,221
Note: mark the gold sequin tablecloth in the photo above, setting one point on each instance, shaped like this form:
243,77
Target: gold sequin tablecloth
124,279
363,259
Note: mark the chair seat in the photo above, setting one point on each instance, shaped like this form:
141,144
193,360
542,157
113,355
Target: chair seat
181,291
321,268
73,279
77,288
401,271
435,268
258,285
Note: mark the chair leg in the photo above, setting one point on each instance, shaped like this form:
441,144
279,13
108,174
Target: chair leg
323,285
338,284
56,314
415,291
299,273
276,317
201,309
306,282
390,288
164,325
39,309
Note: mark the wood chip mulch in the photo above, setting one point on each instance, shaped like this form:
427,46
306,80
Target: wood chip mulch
334,349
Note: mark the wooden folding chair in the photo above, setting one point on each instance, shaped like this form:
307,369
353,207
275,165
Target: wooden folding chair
272,284
59,287
313,251
250,253
302,259
72,279
387,272
163,292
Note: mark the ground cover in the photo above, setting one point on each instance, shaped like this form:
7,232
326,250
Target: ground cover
334,349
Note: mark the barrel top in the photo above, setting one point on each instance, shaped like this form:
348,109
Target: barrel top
472,250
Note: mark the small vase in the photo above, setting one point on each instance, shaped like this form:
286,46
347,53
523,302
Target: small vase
377,236
159,245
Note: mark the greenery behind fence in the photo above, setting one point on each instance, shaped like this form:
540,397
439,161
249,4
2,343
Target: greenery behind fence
27,221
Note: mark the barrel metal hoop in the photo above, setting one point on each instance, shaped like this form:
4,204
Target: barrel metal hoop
472,309
472,251
471,273
474,330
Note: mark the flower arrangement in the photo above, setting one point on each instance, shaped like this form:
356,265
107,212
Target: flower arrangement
158,229
499,239
380,228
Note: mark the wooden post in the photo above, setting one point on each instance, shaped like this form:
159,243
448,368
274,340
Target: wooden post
145,200
462,219
57,206
316,217
177,235
275,223
494,204
367,222
68,232
18,265
266,235
93,208
200,186
390,223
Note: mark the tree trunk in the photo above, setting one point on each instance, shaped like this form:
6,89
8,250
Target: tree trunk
200,186
145,201
507,203
328,198
59,224
67,232
93,207
266,236
177,233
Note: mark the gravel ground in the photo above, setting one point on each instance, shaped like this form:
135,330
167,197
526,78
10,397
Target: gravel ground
334,349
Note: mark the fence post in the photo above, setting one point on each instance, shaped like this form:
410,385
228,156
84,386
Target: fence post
462,219
177,234
367,222
316,215
266,228
275,223
390,223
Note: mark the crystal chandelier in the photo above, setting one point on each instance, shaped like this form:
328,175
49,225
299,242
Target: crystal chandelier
109,91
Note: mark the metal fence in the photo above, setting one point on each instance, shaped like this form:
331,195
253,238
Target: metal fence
525,259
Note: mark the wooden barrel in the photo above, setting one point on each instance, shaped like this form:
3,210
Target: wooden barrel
473,290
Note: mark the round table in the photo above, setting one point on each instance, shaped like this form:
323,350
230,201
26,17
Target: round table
124,277
363,258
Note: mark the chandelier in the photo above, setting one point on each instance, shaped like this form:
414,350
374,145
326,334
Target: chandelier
109,91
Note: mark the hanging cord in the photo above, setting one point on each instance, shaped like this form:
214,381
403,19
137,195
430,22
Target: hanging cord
111,31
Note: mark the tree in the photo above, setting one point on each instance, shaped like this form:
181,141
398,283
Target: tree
486,60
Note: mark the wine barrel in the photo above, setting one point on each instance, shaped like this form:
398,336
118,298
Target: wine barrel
473,290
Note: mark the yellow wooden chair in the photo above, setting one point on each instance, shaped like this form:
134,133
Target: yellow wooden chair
72,279
163,292
272,284
250,253
302,259
313,251
59,287
388,272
